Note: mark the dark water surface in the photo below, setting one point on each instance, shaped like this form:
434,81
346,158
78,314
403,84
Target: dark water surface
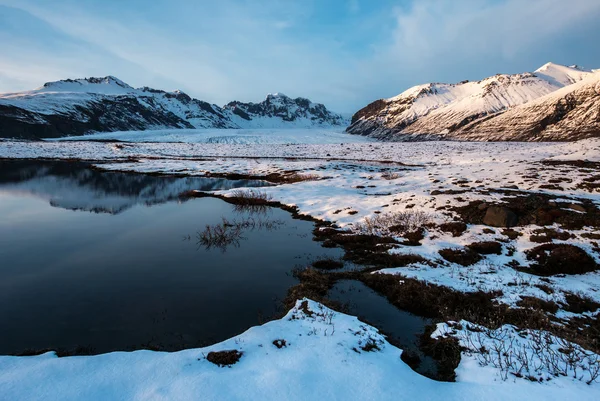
84,262
402,328
111,261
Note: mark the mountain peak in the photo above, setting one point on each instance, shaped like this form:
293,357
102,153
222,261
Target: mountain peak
105,85
561,75
276,95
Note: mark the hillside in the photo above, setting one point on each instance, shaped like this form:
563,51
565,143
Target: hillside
442,111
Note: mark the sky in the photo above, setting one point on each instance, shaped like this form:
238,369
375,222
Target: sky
343,53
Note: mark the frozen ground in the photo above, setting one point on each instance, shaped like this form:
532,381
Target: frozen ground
352,182
230,136
327,355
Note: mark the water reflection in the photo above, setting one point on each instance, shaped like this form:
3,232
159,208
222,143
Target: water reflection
229,233
77,186
126,281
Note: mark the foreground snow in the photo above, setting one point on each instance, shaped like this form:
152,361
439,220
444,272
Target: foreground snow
323,359
230,136
354,181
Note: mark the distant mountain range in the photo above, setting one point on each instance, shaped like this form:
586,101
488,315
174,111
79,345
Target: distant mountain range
79,106
553,103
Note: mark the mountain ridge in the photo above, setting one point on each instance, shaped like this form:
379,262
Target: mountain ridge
95,104
441,111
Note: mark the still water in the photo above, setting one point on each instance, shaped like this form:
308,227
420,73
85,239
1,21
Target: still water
111,261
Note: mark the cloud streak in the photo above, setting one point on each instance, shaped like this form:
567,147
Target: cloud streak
242,50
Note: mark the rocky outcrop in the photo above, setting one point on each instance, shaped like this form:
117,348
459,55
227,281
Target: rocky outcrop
279,107
498,216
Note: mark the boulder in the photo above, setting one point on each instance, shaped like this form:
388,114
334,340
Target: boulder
499,216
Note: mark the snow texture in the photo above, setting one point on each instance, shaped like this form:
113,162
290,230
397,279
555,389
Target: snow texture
323,358
365,179
438,110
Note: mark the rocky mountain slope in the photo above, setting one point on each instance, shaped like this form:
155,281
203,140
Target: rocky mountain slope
454,111
76,107
568,114
299,112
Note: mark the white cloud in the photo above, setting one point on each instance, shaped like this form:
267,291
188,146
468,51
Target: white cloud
475,28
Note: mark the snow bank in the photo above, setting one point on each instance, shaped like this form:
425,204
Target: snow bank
323,359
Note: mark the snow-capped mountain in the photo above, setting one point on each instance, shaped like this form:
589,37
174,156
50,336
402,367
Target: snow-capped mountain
298,112
441,111
76,107
568,114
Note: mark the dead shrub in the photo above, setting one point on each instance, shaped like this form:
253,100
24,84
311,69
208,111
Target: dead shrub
486,247
456,228
551,259
388,175
548,235
511,234
579,303
300,177
445,350
394,223
413,238
370,346
544,287
463,257
224,358
250,197
536,303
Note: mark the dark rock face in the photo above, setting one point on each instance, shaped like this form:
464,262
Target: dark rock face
498,216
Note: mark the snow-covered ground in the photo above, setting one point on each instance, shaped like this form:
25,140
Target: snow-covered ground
366,179
355,181
325,357
230,136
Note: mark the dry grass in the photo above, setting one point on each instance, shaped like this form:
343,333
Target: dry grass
394,223
300,177
389,175
250,197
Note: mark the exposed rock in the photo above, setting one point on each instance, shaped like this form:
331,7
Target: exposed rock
279,106
498,216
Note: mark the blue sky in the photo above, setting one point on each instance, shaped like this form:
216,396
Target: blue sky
344,53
